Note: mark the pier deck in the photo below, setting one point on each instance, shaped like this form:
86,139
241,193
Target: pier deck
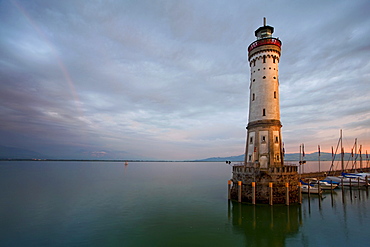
323,174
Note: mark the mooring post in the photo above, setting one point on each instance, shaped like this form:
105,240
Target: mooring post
229,189
239,191
308,186
287,193
271,196
253,192
300,192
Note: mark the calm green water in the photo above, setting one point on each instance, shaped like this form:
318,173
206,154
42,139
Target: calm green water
162,204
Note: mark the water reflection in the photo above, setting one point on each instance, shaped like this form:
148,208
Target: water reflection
323,216
265,225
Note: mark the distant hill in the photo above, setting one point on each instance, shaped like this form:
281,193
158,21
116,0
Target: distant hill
288,157
85,154
81,154
19,153
230,158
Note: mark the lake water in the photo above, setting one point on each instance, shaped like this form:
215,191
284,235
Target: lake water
162,204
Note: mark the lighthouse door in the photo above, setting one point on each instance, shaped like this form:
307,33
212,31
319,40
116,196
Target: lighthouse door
263,162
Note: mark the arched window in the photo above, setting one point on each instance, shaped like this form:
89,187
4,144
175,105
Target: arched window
263,139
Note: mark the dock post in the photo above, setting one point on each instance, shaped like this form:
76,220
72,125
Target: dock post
300,192
287,193
229,189
308,186
253,192
367,183
271,195
239,191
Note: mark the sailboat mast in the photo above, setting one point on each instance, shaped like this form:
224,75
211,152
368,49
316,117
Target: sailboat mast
319,156
341,150
355,154
300,160
360,157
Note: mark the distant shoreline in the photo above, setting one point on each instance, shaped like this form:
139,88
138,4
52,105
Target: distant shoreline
291,157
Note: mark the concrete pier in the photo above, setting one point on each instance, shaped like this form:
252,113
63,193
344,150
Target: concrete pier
265,186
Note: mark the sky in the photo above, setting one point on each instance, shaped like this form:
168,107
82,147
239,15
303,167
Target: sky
169,79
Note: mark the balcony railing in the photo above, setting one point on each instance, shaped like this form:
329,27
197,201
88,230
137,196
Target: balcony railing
266,41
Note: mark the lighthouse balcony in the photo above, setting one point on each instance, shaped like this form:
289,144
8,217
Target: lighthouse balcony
265,41
253,168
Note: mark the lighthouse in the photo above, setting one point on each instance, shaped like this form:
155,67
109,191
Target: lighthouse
263,177
264,139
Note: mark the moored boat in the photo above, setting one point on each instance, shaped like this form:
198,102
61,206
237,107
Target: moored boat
308,189
323,184
348,180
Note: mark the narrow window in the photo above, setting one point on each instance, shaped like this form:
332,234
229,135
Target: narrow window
253,97
277,157
264,112
251,140
254,80
275,95
273,59
264,59
263,138
276,139
250,157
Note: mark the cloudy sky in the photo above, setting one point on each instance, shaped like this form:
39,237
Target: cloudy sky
169,79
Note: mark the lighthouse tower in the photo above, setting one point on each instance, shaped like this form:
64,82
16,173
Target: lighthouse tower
264,178
264,140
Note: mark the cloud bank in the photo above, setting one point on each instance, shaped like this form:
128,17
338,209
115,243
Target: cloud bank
169,79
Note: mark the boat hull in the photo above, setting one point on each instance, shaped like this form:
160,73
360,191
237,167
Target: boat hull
310,190
344,181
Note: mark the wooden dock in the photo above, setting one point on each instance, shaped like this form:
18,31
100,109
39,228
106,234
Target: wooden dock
323,174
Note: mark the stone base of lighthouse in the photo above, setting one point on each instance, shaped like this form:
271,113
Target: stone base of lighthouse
275,185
